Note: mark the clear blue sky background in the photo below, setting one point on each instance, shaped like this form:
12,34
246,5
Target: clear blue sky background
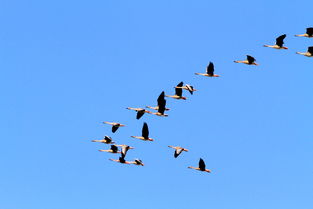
66,66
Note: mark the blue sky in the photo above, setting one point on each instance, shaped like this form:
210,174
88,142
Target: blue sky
66,66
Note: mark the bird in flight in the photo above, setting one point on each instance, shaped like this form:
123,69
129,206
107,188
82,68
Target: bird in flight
187,87
114,149
145,133
309,53
309,33
209,71
106,140
137,162
201,166
178,92
140,111
178,150
115,126
249,61
279,43
161,106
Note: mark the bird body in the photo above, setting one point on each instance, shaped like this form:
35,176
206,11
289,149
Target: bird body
308,34
209,71
186,87
113,149
161,106
249,61
178,92
309,53
137,162
178,150
145,133
106,140
201,166
140,111
115,126
279,43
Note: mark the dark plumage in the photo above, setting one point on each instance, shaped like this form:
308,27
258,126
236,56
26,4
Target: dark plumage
140,113
210,69
161,103
310,50
250,59
145,131
309,31
201,165
179,91
280,40
114,148
114,128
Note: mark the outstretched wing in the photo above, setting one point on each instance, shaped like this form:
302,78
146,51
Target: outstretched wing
124,150
310,50
250,59
161,98
108,139
114,148
280,40
201,164
140,113
145,131
309,31
161,108
210,69
177,152
189,88
179,91
114,128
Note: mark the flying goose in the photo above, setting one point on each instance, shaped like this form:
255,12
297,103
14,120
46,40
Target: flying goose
137,162
161,106
187,87
106,140
115,126
209,71
178,92
145,133
249,61
201,166
279,43
113,149
309,33
140,111
178,150
309,53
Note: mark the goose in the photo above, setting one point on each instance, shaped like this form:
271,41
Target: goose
309,53
106,140
187,87
178,150
201,166
279,43
137,162
145,133
124,145
113,149
209,71
178,92
161,106
140,111
249,61
121,160
115,126
156,108
309,33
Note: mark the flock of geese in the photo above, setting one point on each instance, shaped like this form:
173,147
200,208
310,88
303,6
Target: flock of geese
161,108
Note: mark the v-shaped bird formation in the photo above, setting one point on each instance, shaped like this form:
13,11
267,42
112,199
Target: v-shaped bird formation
161,108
